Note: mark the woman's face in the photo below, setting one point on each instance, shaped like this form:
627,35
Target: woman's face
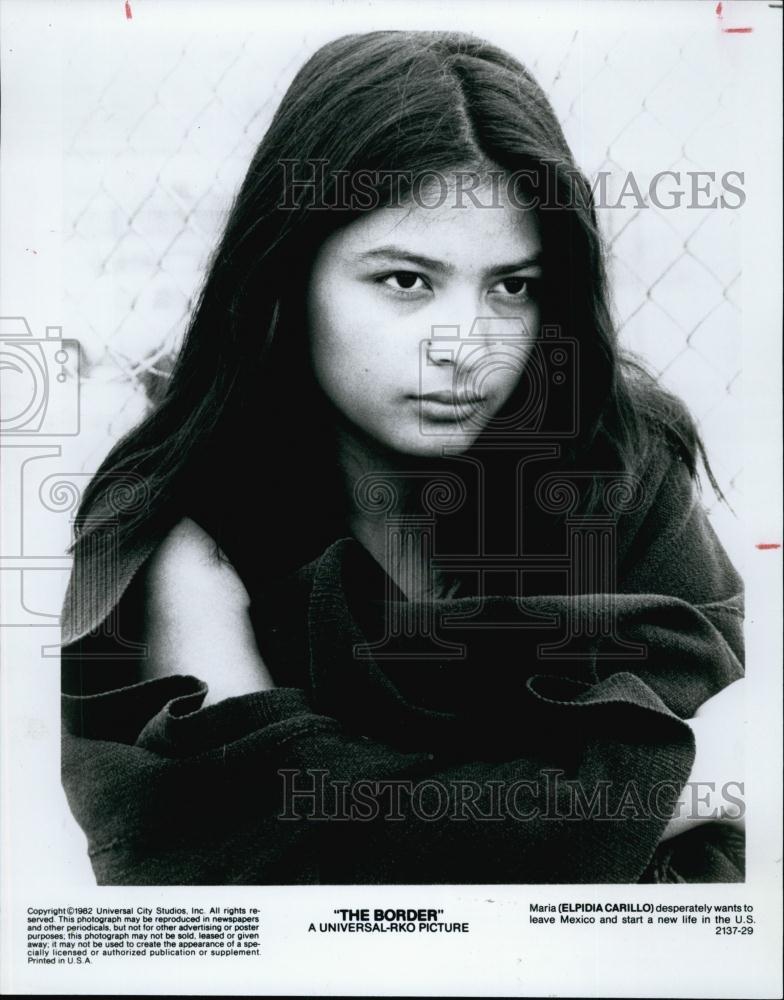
421,319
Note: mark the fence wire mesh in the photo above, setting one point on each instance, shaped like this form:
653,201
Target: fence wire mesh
158,136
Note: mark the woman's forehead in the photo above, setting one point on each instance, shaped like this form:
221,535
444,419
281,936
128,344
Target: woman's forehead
460,234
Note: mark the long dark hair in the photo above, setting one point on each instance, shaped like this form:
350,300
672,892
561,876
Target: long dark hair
221,442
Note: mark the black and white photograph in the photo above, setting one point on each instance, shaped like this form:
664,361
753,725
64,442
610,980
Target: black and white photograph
392,535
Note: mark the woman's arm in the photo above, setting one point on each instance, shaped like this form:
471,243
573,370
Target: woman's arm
719,733
168,793
264,790
195,617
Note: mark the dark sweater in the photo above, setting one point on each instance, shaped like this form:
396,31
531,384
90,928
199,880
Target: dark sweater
546,750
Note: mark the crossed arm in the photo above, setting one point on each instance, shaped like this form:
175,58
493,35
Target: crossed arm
196,622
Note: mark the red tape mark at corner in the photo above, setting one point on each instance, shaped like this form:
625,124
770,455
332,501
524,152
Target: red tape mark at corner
767,545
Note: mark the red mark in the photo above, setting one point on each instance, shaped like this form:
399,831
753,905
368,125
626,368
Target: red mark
128,11
719,8
737,31
767,545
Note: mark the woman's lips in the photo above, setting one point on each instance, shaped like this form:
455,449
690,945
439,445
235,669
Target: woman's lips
451,398
447,406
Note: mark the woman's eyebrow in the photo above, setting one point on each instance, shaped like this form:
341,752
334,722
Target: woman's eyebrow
396,253
393,253
534,260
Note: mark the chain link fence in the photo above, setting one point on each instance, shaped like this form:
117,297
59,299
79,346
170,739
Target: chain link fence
159,133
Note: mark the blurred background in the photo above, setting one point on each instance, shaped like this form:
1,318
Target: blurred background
159,127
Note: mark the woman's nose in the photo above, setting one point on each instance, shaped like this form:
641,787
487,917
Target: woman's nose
439,354
454,322
473,345
459,334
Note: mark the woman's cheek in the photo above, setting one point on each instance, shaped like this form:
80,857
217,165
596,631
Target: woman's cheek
514,360
350,371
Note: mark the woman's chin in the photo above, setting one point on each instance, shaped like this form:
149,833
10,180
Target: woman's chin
436,444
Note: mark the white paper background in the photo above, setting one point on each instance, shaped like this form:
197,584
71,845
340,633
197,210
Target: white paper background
55,112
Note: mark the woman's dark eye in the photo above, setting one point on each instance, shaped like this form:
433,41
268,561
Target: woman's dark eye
516,286
404,281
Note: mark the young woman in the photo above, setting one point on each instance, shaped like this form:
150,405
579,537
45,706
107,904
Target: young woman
404,578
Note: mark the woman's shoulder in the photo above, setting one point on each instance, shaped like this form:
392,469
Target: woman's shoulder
668,459
170,559
666,424
187,545
188,568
